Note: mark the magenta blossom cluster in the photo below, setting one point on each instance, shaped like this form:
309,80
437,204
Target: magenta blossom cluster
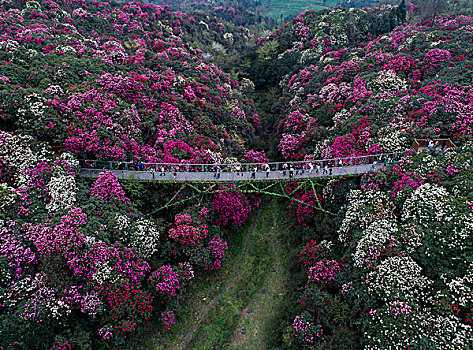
306,331
398,308
166,280
217,248
256,156
61,345
323,271
108,188
19,258
186,232
168,319
232,207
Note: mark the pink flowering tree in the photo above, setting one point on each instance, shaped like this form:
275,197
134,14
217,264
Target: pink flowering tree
231,207
211,256
166,281
168,319
253,156
323,271
306,331
187,231
108,188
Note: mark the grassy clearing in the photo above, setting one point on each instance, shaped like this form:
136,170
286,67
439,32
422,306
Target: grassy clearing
203,290
291,8
255,321
243,317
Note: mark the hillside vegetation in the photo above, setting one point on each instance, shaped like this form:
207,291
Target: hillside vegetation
81,266
393,269
103,264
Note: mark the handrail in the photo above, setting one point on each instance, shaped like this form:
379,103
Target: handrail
182,172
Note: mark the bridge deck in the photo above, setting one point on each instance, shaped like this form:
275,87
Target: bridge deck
187,176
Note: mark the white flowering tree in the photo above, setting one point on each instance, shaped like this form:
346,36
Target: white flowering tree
412,256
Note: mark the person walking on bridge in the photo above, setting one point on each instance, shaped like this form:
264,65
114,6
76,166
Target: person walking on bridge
253,173
311,167
268,169
291,172
373,167
238,169
430,144
284,169
163,173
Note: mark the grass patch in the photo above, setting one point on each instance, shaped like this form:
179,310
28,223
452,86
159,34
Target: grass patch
243,317
292,8
200,293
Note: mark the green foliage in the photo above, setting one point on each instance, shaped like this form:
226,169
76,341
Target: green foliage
402,11
136,190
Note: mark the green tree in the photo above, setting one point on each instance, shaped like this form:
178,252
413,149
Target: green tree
402,11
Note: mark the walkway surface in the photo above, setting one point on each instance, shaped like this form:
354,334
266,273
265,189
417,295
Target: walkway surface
240,172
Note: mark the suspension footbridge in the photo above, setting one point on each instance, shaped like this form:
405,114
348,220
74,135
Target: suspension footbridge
238,172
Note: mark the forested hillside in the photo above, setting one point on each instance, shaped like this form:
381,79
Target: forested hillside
134,63
393,269
271,9
412,83
382,260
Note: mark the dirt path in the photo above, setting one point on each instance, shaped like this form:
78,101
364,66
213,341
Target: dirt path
252,330
189,335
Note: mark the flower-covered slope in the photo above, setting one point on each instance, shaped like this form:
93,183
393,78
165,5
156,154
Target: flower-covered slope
392,269
402,264
312,35
411,83
121,81
80,266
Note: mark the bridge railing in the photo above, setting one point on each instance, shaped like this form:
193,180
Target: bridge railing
242,167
